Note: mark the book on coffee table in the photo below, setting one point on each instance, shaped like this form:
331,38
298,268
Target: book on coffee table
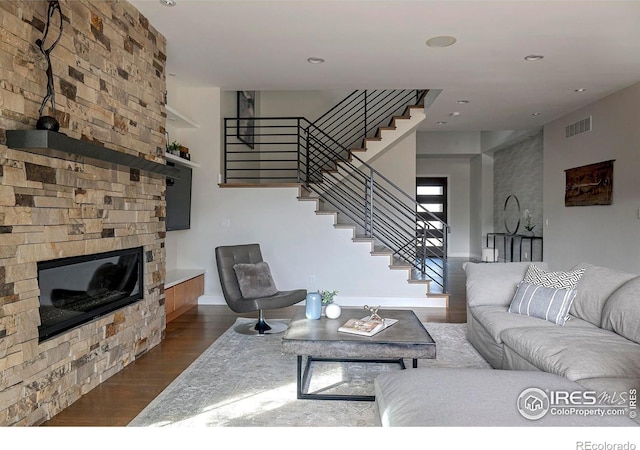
366,327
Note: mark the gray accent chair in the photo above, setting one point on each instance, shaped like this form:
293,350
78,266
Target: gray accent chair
226,258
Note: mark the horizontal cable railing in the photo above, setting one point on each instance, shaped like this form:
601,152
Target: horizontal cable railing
294,150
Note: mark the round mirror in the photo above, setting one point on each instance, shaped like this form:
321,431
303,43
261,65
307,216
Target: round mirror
512,214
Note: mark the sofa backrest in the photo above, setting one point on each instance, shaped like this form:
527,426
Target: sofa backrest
494,284
595,287
621,312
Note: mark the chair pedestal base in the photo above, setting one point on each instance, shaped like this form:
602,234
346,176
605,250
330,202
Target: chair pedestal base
261,327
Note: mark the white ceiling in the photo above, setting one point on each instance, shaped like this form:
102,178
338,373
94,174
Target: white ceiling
264,45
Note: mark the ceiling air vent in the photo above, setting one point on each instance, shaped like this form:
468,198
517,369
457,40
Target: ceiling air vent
579,127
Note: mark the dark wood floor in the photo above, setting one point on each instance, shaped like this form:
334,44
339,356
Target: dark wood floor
121,398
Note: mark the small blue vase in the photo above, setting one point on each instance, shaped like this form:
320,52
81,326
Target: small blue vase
313,306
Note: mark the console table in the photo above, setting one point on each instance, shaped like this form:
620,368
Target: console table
511,240
182,288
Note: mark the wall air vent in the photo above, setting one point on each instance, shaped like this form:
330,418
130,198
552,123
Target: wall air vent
579,127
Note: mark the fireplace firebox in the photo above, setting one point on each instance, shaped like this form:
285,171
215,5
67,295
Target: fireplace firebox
80,289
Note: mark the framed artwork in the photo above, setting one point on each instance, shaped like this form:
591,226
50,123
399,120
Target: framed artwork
246,115
589,185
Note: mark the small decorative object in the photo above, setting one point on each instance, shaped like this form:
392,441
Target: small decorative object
313,306
246,115
174,148
327,296
589,185
327,299
49,122
528,225
333,311
511,209
374,313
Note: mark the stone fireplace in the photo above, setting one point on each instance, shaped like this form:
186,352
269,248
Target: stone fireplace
109,73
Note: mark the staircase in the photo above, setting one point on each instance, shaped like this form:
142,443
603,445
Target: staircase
329,160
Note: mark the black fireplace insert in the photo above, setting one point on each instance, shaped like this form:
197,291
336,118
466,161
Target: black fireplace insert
80,289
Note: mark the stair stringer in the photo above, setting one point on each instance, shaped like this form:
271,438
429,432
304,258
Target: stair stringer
386,137
401,126
430,299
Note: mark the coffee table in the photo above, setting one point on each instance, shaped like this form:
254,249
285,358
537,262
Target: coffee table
319,340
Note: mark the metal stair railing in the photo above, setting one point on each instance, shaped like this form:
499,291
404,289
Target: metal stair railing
379,208
294,150
359,115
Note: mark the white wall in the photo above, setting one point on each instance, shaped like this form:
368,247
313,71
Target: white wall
481,203
439,143
398,164
309,104
602,235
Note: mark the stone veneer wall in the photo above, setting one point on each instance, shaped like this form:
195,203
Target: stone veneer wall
109,70
517,170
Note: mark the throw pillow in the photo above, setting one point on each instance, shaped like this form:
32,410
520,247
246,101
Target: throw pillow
557,280
255,280
543,302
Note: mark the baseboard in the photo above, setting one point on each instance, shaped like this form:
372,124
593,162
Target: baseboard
211,300
387,302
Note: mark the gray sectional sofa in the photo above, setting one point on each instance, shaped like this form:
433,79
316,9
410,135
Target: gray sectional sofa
596,349
598,346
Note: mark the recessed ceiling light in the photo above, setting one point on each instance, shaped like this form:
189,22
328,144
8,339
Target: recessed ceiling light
168,2
315,60
533,57
441,122
441,41
462,102
580,90
454,114
535,114
172,74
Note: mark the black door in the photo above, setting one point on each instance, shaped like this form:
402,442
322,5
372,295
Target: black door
431,194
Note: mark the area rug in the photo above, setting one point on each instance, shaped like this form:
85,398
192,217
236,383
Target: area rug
247,381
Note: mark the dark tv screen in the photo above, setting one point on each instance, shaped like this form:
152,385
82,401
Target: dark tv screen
179,200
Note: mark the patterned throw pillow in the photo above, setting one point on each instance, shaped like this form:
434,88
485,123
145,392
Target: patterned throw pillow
557,280
543,302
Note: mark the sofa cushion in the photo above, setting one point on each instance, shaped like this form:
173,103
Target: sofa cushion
496,319
494,283
621,312
576,352
556,280
542,302
255,280
466,397
595,287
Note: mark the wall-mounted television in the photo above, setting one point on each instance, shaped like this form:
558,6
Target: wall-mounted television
179,200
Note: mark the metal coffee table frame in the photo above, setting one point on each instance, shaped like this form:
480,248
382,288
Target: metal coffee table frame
319,341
